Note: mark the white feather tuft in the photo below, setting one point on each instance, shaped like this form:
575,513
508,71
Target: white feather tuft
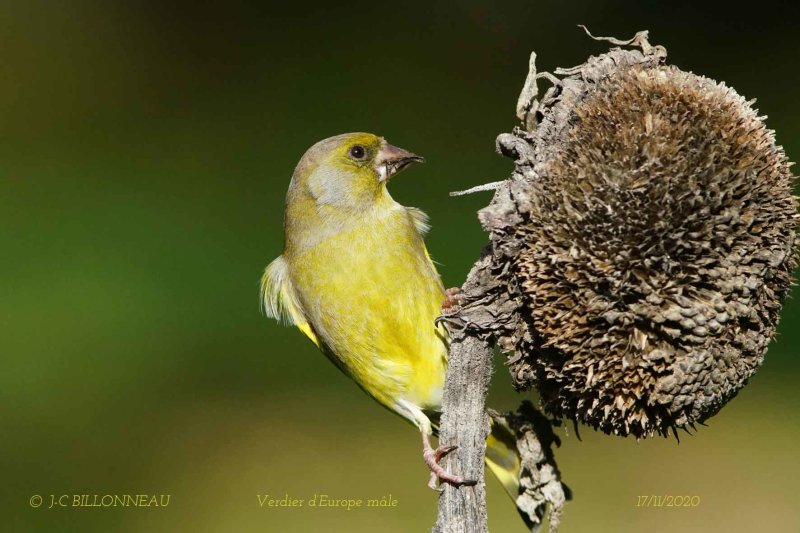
420,220
276,292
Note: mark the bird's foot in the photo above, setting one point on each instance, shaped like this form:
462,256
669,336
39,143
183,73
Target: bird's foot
453,298
432,457
451,307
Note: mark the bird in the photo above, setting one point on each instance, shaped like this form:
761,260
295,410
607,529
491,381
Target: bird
356,278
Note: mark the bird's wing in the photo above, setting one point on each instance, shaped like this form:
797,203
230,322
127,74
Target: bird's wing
279,300
420,220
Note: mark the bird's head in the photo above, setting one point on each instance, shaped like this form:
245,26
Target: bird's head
349,171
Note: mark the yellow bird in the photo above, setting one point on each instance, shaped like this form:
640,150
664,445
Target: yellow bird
356,278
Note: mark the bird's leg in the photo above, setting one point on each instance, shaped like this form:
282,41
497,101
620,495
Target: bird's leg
453,298
430,455
432,458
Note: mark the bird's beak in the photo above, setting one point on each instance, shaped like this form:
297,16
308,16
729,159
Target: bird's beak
392,160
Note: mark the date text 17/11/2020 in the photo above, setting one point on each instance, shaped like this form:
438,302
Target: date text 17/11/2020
667,501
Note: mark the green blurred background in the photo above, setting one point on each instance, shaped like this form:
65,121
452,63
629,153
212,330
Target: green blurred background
146,148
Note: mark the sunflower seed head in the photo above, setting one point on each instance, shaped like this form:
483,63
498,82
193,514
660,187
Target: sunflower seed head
646,241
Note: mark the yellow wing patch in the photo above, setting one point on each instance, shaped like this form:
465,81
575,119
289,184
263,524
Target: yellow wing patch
279,301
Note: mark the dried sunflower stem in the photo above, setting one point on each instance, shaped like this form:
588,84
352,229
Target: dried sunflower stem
464,423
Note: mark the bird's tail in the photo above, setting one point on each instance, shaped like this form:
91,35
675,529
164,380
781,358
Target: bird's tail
502,457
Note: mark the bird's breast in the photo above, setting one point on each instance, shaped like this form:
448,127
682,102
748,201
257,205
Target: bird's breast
371,294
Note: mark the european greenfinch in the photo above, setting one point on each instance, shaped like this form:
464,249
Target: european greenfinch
356,278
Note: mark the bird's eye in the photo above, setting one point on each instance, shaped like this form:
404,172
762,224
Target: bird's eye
357,152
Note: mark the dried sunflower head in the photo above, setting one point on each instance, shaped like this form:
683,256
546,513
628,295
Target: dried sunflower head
648,239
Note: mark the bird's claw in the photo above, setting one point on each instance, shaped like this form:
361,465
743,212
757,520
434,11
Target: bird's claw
451,307
453,299
432,457
446,320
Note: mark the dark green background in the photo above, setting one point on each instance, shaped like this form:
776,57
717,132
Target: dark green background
145,152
